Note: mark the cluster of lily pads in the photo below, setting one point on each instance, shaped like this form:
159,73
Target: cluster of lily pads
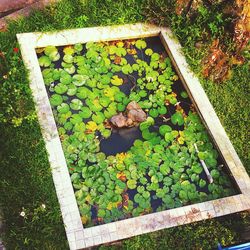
84,83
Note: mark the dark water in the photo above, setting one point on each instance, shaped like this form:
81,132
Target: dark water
121,140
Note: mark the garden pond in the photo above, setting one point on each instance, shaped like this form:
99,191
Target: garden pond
127,167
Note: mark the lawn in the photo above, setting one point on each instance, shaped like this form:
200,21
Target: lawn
28,200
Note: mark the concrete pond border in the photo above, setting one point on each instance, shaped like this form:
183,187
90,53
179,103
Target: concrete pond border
78,236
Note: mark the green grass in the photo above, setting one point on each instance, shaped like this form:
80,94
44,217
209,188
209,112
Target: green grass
26,181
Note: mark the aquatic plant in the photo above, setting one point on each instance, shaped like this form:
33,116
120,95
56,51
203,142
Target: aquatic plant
162,167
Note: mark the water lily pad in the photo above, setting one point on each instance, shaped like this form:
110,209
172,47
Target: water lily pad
177,118
131,184
44,61
98,117
153,112
164,129
149,52
72,89
76,104
127,69
56,100
63,108
155,57
79,80
85,112
120,51
162,110
65,78
68,58
92,126
140,44
184,94
61,88
78,47
116,80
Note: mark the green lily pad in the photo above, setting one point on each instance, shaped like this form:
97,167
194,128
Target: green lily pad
140,44
127,69
82,92
65,78
149,52
131,184
44,61
56,100
98,117
153,112
68,58
72,89
164,129
63,108
184,94
79,80
155,57
76,104
61,88
85,112
177,118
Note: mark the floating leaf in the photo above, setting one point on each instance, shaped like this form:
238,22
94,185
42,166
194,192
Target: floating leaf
120,51
162,110
116,80
164,129
164,169
197,168
65,78
98,117
72,89
56,100
61,88
85,112
44,61
177,118
92,126
155,57
153,112
184,94
76,104
63,108
202,183
148,52
68,50
79,80
78,47
127,69
140,44
131,184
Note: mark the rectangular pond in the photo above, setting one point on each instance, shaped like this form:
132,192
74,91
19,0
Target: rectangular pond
134,144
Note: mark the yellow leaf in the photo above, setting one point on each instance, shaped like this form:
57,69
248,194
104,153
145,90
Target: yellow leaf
39,50
91,126
88,198
68,50
120,44
84,219
181,140
116,80
110,206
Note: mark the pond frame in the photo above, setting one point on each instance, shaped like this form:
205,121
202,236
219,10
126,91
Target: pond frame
78,236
